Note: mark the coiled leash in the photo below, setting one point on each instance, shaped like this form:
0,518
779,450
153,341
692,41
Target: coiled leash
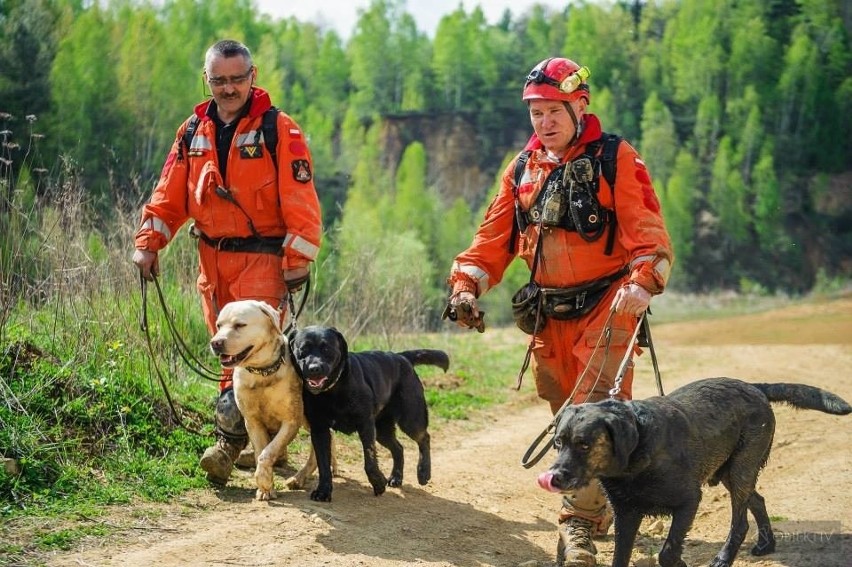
183,350
528,460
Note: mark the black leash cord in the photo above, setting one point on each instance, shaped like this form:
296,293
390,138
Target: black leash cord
144,325
183,350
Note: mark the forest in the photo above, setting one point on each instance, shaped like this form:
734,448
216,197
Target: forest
742,110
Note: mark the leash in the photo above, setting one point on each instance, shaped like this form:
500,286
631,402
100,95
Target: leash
183,350
291,307
143,324
528,460
646,327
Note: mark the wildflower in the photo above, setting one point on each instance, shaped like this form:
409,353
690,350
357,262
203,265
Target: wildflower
31,118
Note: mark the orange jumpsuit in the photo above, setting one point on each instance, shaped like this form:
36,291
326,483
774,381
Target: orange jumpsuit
563,349
281,203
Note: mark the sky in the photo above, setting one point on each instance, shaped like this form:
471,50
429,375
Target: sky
342,14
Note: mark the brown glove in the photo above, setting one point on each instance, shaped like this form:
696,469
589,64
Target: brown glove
462,309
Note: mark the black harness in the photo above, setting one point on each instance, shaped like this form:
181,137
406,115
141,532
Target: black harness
569,197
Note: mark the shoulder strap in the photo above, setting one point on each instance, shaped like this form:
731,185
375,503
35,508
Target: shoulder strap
608,157
189,134
520,166
609,160
269,126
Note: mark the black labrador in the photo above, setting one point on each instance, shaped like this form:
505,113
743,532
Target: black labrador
652,456
368,392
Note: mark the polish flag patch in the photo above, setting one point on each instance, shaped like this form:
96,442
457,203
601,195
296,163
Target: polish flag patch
295,133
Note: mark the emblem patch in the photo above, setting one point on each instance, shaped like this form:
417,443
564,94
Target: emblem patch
251,152
301,170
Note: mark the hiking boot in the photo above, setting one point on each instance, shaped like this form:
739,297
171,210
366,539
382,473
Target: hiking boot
575,547
218,460
246,460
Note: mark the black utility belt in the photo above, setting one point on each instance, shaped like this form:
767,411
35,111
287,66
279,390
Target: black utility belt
533,305
562,303
252,244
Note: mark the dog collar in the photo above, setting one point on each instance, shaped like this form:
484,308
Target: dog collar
272,368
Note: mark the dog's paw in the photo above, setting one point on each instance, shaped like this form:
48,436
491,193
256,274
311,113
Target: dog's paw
320,495
265,495
424,473
378,490
395,481
295,482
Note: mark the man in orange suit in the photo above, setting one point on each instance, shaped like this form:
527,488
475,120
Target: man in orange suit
578,206
255,210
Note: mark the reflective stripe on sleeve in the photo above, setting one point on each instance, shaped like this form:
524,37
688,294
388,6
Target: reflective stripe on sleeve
300,245
640,259
158,225
477,274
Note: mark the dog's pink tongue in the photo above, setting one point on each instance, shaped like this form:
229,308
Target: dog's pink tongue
545,480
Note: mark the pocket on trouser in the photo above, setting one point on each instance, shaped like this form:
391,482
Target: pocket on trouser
255,276
546,372
602,364
209,308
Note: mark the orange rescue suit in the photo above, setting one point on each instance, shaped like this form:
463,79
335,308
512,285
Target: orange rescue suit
280,201
564,349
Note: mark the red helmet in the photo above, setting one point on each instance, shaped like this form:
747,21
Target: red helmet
557,78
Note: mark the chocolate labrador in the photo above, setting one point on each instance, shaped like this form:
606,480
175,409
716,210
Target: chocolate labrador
652,457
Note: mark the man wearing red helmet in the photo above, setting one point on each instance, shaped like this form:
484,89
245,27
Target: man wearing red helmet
597,252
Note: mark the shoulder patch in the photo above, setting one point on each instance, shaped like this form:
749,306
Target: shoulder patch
649,198
301,170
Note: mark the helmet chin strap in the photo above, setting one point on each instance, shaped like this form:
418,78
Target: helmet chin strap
578,127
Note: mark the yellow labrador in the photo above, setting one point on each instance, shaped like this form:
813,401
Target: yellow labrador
267,389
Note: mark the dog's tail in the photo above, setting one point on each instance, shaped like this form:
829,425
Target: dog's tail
429,356
805,397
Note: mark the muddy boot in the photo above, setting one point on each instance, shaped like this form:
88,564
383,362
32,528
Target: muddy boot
575,547
246,460
231,438
218,461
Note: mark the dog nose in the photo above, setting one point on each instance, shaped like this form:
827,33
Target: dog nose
216,345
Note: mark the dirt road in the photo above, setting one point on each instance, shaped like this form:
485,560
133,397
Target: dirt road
483,509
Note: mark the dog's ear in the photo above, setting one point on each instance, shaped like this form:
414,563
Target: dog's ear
273,315
344,346
621,424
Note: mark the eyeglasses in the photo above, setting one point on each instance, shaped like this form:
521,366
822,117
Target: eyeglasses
238,81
